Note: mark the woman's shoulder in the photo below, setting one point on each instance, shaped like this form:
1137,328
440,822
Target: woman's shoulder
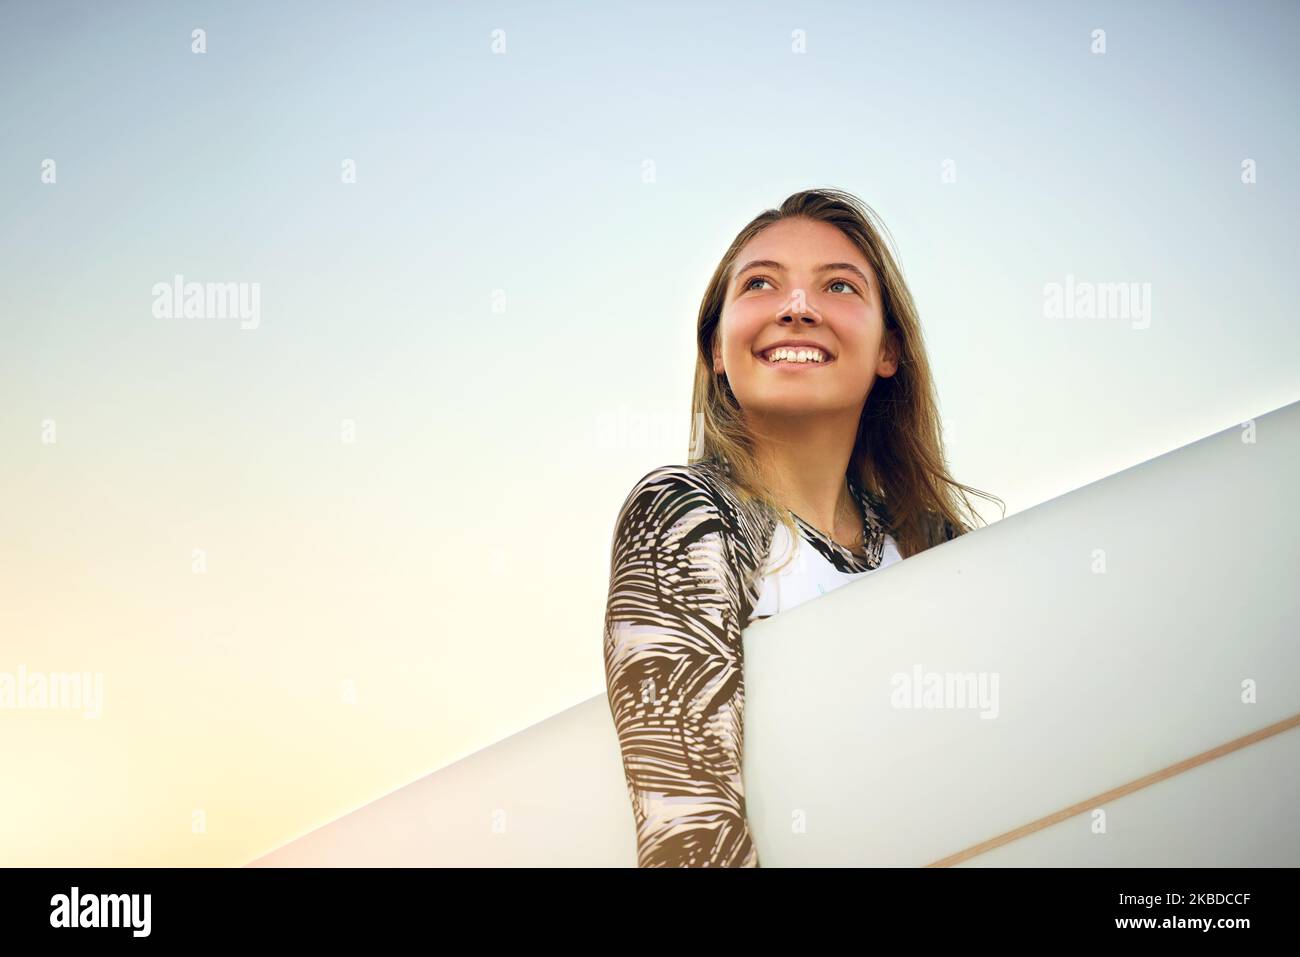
684,502
673,506
674,523
696,485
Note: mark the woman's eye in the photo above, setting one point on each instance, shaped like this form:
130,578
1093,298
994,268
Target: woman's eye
837,282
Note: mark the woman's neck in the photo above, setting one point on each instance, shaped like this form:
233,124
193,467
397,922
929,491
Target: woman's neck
804,462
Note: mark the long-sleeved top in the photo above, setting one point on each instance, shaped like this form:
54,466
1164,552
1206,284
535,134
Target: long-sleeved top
688,566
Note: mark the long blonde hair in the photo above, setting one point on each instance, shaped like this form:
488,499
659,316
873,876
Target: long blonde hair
898,454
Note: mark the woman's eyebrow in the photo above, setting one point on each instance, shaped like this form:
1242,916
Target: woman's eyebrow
826,267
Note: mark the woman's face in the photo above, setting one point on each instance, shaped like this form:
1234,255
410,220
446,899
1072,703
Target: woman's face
781,289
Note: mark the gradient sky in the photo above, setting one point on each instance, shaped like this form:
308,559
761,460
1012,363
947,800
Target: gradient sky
505,307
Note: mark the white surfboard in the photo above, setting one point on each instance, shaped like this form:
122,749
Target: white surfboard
1132,625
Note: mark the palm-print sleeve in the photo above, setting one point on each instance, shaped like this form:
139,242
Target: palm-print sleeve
674,674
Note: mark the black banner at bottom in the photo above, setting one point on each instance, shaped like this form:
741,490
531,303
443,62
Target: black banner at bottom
337,906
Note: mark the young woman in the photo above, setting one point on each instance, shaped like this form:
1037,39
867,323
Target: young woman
818,459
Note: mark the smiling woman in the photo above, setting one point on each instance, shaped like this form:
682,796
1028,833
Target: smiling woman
820,461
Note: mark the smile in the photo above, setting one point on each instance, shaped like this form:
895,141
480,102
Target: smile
799,357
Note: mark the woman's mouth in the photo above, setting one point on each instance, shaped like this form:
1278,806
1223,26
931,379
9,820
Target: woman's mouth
795,357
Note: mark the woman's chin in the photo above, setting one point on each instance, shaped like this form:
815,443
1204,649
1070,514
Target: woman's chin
787,402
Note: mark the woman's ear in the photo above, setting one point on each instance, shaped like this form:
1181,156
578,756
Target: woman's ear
718,368
888,363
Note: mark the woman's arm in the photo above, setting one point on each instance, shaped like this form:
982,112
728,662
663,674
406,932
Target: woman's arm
674,675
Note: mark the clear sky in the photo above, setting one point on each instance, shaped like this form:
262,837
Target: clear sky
499,313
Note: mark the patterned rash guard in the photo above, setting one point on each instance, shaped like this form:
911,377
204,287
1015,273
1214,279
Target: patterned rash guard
688,566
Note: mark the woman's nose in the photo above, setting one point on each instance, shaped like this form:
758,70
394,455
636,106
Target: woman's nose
798,307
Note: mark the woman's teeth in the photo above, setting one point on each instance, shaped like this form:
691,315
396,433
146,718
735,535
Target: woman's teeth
796,355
